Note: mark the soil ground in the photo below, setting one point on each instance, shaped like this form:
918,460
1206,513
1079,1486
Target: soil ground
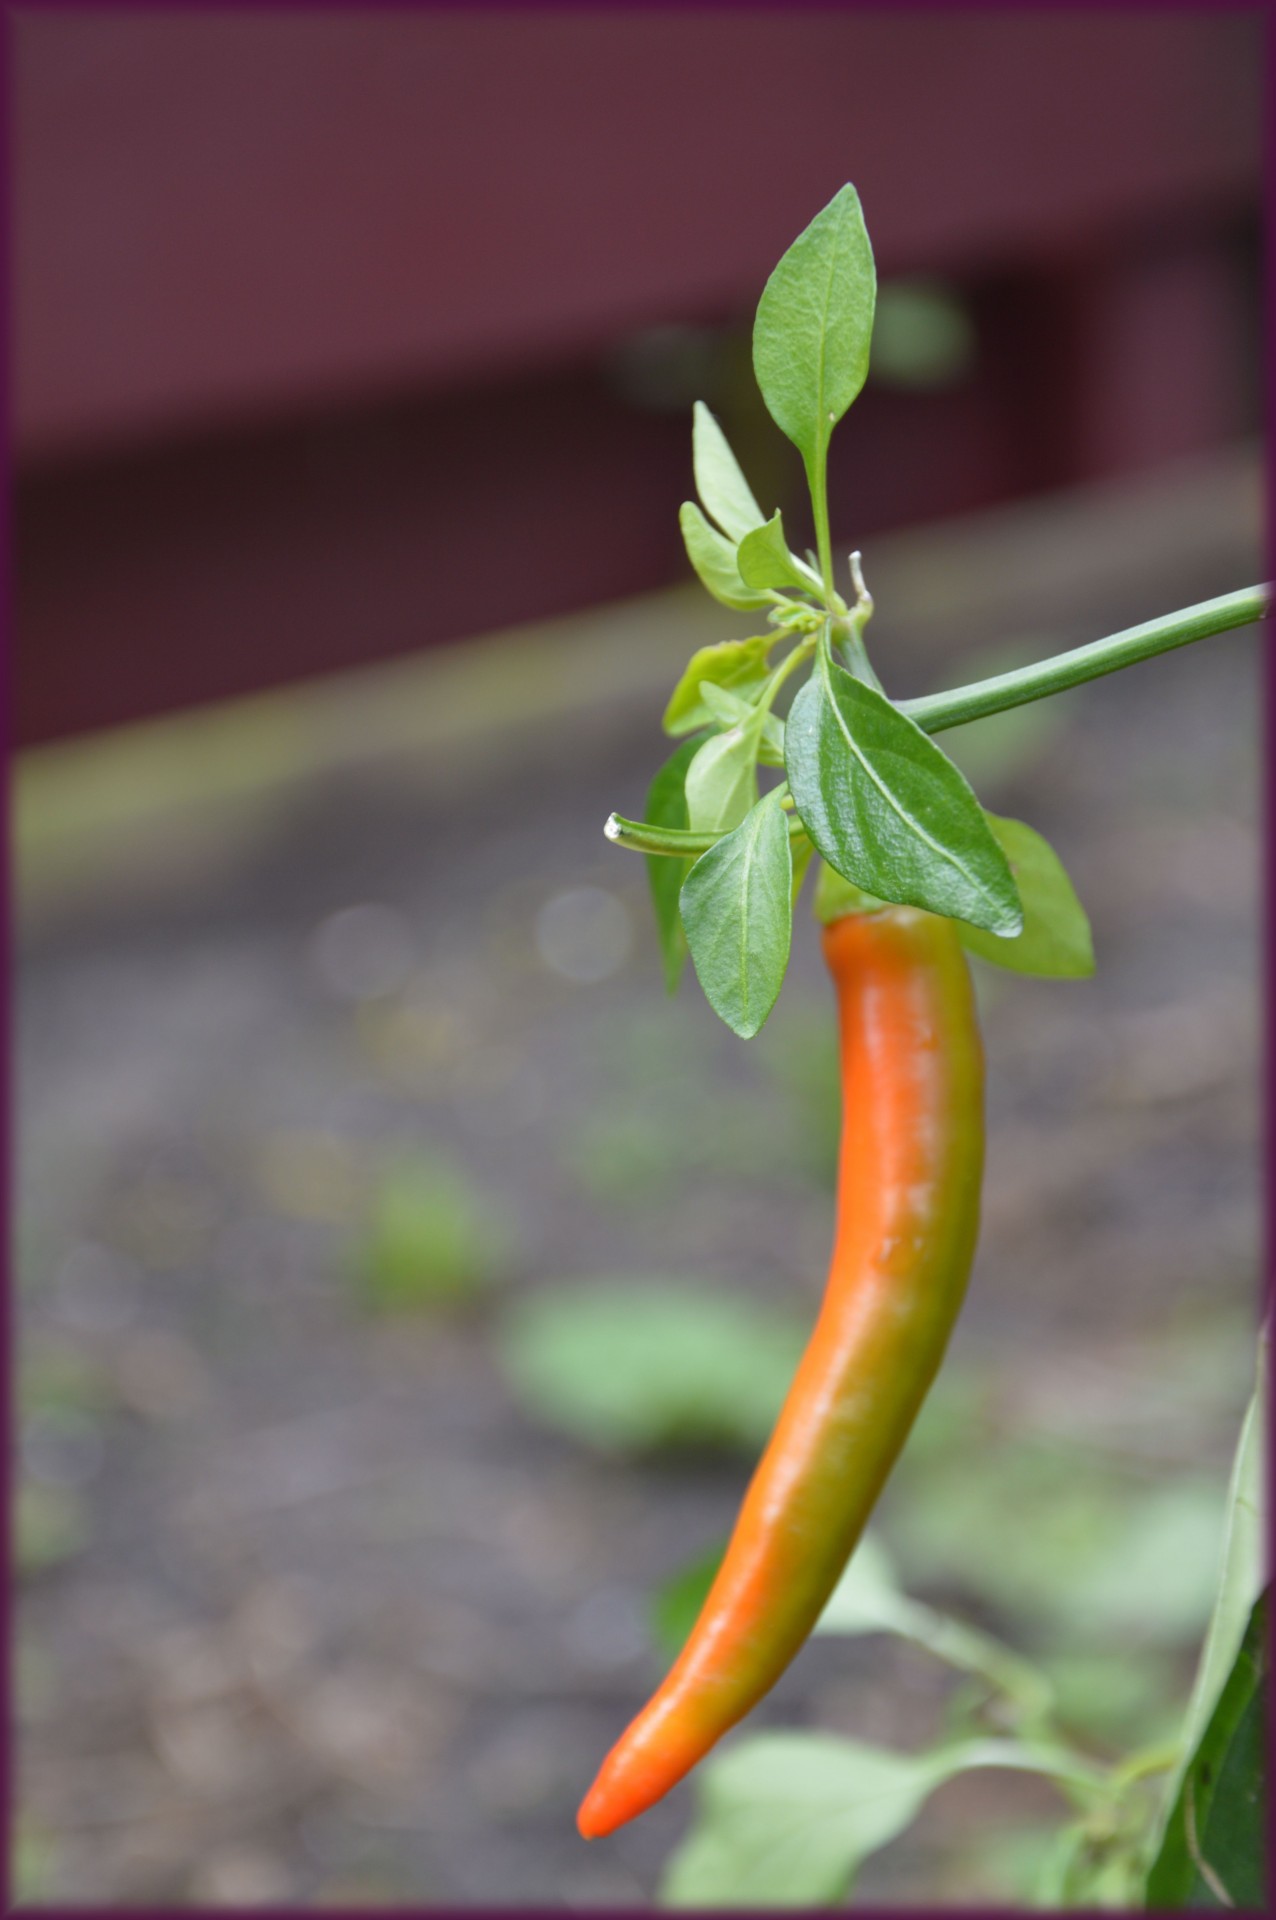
313,1607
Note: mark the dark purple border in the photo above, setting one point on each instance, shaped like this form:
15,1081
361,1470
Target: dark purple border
6,1129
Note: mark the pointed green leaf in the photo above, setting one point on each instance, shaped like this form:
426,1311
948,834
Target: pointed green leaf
738,915
1213,1853
1055,943
667,807
726,707
731,711
888,810
1240,1580
738,665
724,491
722,780
787,1819
764,559
814,325
713,558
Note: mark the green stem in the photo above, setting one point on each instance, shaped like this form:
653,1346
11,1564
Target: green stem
817,481
672,840
936,711
853,626
800,653
1151,1760
978,1653
1059,1763
1005,690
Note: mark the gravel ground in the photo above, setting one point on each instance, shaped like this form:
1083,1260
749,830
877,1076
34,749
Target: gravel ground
313,1609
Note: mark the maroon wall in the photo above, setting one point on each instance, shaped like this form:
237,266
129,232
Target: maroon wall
317,315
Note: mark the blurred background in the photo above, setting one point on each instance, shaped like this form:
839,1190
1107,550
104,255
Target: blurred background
404,1284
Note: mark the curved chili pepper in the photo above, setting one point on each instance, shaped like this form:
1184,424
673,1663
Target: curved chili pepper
908,1215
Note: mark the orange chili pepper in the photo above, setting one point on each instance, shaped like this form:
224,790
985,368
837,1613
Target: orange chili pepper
908,1216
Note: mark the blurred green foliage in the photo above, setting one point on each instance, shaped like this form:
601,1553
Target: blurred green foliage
430,1239
675,1605
56,1376
50,1526
30,1863
1055,1535
1119,1695
923,335
640,1364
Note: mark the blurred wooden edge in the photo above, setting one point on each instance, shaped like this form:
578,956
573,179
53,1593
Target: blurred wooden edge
1050,568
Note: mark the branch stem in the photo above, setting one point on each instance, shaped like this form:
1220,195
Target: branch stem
936,711
676,841
817,481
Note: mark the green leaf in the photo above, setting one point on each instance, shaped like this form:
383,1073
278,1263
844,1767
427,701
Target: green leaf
738,914
667,807
888,811
1240,1579
786,1820
729,710
642,1364
764,559
1243,1561
714,559
1212,1853
722,780
814,325
737,665
1055,942
724,491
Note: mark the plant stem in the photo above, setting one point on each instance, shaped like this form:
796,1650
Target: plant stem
936,711
800,653
817,481
1151,1760
1059,1763
854,624
673,840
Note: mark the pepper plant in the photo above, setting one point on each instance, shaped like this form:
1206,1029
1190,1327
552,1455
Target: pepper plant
913,875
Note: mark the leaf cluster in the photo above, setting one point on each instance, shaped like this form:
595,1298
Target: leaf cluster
891,817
